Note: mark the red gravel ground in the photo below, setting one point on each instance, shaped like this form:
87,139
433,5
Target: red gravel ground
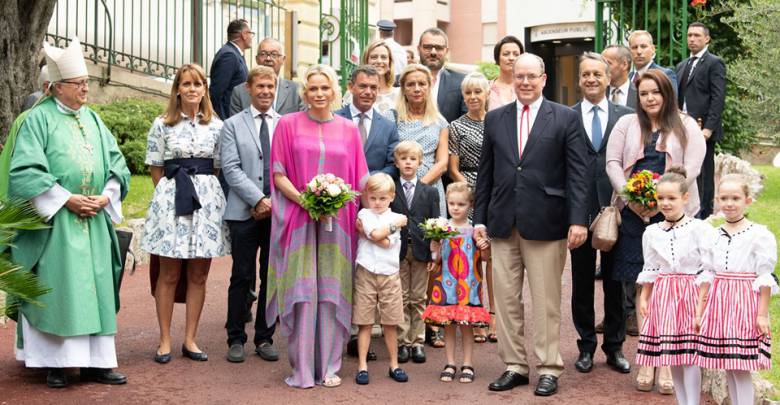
258,382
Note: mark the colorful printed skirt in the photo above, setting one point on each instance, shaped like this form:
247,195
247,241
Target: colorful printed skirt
443,315
729,337
668,336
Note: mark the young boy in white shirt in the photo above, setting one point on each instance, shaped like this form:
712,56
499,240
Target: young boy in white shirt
377,284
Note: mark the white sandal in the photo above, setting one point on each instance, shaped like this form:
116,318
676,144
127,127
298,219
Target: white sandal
331,382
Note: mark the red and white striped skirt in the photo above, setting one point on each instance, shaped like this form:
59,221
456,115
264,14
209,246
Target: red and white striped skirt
668,337
729,338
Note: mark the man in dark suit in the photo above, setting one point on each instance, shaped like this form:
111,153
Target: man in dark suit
702,94
245,149
621,91
378,133
270,53
531,199
433,51
643,53
597,117
229,67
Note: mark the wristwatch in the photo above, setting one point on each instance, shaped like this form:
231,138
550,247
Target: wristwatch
393,228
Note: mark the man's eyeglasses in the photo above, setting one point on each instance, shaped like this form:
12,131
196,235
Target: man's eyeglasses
429,47
273,55
80,84
530,78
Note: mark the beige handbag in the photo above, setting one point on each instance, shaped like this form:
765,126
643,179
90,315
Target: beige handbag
605,229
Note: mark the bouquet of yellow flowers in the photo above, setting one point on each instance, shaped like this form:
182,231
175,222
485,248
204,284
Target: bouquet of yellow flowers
324,196
640,188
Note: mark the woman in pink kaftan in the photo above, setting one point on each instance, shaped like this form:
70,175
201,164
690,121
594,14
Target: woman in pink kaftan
311,266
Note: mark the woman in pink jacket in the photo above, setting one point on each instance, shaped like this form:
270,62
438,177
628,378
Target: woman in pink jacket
656,137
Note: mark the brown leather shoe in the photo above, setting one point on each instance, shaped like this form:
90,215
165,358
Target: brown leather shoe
632,329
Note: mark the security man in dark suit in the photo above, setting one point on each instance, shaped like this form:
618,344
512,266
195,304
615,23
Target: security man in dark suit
702,94
597,115
229,67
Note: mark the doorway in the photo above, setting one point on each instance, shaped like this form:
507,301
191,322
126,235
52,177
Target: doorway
561,59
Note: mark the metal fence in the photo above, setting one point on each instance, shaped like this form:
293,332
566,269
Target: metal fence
344,32
666,20
155,37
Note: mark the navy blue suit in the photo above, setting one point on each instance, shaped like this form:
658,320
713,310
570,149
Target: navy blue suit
381,142
227,71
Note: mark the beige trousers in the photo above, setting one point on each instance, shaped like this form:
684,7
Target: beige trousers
543,262
414,285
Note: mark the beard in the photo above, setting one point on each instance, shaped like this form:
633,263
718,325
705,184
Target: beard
433,64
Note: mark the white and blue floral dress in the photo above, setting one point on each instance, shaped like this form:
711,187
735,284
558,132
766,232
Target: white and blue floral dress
428,137
203,234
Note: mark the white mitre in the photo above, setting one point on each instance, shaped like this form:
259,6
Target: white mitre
65,63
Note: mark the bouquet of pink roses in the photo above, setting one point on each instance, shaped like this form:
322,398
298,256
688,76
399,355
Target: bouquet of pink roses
437,229
324,196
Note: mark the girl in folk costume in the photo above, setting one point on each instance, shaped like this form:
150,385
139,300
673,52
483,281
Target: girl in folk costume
675,250
732,314
457,289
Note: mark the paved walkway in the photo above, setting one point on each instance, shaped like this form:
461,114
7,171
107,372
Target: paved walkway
257,382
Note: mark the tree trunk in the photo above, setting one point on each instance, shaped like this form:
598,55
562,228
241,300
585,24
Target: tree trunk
23,24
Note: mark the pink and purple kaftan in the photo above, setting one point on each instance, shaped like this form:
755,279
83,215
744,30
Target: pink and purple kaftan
310,269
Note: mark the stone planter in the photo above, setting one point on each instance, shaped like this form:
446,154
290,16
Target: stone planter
713,383
137,227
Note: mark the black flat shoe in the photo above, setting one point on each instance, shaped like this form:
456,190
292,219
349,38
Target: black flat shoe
56,378
547,385
418,354
584,363
163,358
202,356
618,362
403,354
507,381
103,376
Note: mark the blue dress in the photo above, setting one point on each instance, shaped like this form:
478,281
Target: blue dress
628,249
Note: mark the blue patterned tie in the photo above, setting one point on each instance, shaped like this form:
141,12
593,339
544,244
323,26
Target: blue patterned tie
595,129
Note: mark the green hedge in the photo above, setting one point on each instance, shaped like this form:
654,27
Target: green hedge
129,120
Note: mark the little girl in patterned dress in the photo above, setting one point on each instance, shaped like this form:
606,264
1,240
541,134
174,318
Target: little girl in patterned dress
674,250
457,290
734,294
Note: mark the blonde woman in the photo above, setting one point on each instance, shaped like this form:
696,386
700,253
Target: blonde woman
378,55
184,224
310,266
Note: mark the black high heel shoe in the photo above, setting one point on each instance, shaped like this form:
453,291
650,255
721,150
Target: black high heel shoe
201,356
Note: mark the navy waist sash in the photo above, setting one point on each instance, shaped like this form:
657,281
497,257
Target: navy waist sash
186,199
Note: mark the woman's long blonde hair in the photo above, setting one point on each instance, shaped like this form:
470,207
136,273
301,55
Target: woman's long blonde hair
330,74
402,105
172,115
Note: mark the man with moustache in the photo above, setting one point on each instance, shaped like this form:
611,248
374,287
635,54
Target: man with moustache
702,95
597,117
621,91
287,99
531,199
643,53
433,50
245,149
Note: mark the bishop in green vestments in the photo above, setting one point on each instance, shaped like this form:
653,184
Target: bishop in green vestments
67,163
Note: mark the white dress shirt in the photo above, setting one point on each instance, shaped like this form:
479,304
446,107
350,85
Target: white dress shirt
435,89
623,94
269,119
371,256
587,117
355,113
533,113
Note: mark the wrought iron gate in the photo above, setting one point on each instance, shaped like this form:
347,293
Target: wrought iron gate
667,20
343,34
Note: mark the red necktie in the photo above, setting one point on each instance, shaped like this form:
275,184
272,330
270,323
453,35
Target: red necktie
525,128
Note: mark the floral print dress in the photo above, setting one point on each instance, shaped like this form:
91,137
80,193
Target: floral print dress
202,234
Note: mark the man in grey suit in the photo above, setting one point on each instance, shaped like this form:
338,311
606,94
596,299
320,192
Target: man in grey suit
597,116
621,91
643,53
433,51
381,134
270,53
245,149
